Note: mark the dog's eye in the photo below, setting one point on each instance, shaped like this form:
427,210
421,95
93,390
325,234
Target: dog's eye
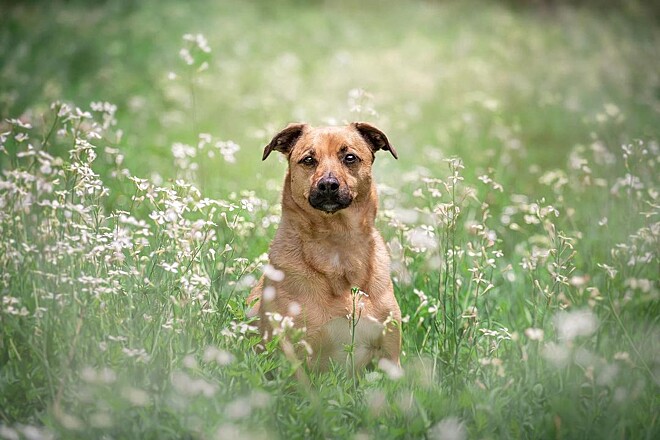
350,158
308,160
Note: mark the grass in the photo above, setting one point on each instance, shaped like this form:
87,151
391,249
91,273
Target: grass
522,217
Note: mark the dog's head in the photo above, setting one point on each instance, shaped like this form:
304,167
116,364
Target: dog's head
330,167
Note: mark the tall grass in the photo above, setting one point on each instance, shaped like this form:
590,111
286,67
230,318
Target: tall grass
522,225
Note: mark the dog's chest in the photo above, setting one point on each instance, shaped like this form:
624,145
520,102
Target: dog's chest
339,259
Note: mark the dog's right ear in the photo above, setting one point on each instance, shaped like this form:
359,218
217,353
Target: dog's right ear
285,139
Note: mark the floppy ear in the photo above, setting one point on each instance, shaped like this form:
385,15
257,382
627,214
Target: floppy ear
374,137
285,139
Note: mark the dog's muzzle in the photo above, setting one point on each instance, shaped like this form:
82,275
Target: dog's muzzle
329,196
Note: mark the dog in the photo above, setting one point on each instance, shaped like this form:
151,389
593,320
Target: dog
329,267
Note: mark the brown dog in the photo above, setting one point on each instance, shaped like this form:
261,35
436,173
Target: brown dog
326,244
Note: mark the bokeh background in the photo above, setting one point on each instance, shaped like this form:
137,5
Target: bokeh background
453,77
521,216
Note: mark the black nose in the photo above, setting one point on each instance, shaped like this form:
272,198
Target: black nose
328,185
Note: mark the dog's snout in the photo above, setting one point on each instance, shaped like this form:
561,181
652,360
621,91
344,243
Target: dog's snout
329,194
328,185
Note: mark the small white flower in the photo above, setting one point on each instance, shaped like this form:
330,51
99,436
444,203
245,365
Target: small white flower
534,334
449,428
557,354
8,433
611,271
173,268
294,309
186,57
392,370
221,357
421,239
269,293
575,323
228,149
273,274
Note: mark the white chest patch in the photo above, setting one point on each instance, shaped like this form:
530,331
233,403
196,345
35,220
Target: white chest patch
335,260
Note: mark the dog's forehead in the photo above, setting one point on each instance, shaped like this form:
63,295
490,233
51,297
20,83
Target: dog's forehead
329,140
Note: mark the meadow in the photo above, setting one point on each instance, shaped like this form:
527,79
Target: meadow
522,217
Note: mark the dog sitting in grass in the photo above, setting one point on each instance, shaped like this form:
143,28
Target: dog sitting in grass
331,266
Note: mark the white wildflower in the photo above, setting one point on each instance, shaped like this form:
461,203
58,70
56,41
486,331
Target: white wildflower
185,55
534,334
294,309
173,268
228,150
273,274
557,354
422,239
135,396
8,433
576,323
392,370
221,357
449,428
186,385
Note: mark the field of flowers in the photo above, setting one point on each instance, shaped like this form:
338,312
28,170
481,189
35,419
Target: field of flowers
523,217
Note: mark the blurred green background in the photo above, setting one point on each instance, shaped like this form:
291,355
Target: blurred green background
539,96
453,77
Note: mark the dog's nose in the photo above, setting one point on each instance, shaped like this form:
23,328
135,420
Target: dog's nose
328,185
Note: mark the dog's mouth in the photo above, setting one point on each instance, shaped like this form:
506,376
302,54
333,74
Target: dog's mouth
330,203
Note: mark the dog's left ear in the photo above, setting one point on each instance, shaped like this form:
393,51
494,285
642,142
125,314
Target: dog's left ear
285,139
374,137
